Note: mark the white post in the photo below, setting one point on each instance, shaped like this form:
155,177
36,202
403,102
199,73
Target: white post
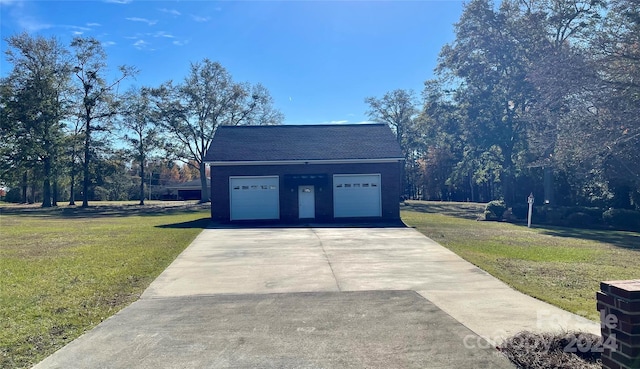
530,201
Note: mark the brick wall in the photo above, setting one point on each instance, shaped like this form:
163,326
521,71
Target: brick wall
619,306
390,187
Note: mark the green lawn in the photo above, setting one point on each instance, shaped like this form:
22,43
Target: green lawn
563,266
64,270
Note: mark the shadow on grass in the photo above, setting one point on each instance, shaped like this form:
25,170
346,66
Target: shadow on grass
455,209
198,223
622,239
102,210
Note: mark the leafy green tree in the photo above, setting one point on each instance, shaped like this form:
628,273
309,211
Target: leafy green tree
486,60
556,32
11,159
191,112
514,69
446,172
40,81
615,134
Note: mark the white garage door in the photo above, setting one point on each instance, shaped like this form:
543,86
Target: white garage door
253,198
356,195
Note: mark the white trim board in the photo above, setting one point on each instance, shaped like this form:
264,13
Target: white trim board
301,162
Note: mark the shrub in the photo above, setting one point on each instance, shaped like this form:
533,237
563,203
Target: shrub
553,215
622,219
14,195
571,216
580,219
494,210
521,211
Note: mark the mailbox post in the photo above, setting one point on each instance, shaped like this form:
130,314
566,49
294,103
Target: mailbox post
530,202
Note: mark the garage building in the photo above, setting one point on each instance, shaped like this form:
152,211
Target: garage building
291,173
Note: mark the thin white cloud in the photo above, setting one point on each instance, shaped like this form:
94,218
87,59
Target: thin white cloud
118,1
180,43
18,13
108,43
161,34
170,11
32,25
142,20
27,22
79,28
143,45
93,24
334,122
140,43
200,19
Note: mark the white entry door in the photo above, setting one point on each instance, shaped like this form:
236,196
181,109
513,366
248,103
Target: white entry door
253,198
306,202
356,195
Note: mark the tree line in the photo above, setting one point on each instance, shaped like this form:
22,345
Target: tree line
69,133
532,96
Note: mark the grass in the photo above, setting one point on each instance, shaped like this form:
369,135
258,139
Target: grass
562,266
64,270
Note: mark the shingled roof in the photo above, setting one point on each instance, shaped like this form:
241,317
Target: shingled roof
303,142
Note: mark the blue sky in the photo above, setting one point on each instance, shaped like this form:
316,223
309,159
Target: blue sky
319,59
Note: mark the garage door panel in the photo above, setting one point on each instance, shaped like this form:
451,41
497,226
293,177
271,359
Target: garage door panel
357,195
254,198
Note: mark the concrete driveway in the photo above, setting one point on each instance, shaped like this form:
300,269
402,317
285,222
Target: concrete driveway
316,298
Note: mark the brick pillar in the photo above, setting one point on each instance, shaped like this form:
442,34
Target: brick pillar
619,306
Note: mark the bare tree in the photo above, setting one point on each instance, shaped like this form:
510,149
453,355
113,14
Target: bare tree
208,98
140,131
398,109
97,98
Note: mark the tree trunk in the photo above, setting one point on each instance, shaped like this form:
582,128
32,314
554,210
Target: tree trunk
54,193
508,178
24,187
85,167
46,185
142,183
204,195
508,187
34,183
473,197
72,189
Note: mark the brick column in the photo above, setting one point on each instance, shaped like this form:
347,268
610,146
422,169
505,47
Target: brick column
619,306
